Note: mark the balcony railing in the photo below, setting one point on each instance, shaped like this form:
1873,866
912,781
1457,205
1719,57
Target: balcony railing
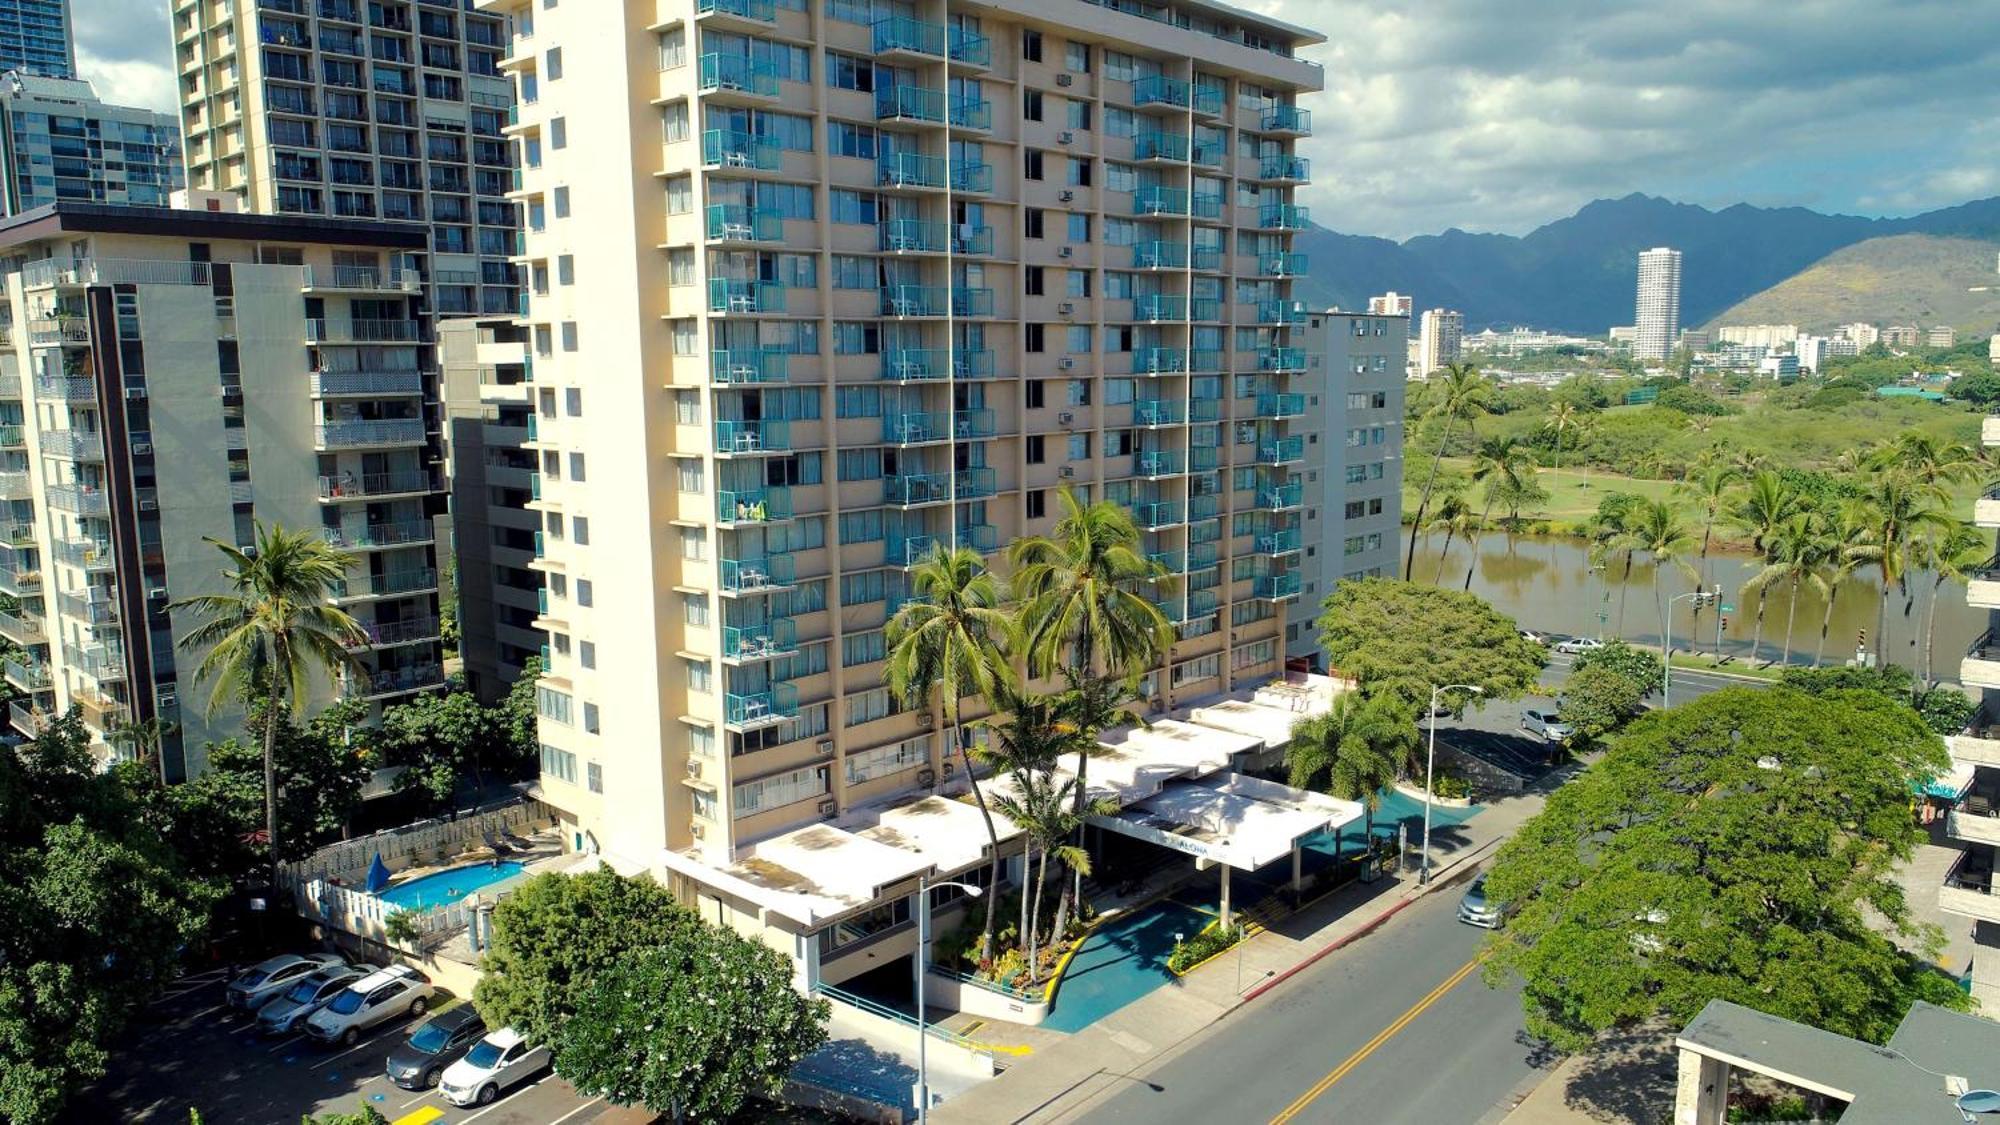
731,148
1159,361
917,429
332,383
1159,412
1282,360
396,681
1158,463
971,113
27,676
365,434
23,628
970,49
1281,406
1281,166
75,445
911,170
13,437
1287,119
1159,306
1281,497
754,710
59,330
1158,89
81,501
90,554
381,633
1276,586
904,236
1283,216
1156,254
761,641
909,489
1283,264
929,300
1282,314
1160,201
917,365
1282,451
757,505
910,36
763,11
1152,516
737,74
909,103
28,719
95,609
394,583
355,486
733,436
729,295
741,366
740,222
1160,145
1278,542
400,533
69,388
323,331
747,576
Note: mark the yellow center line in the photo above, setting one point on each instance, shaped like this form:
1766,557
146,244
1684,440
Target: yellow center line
1370,1047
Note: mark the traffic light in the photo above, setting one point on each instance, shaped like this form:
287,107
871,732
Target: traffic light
1725,625
1861,638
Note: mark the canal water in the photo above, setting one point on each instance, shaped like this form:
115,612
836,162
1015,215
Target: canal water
1550,584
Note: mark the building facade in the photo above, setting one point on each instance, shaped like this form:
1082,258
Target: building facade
1657,310
1902,336
875,284
362,109
1353,458
1972,791
59,143
485,377
1391,303
1861,333
35,38
1772,336
1440,340
172,376
1941,336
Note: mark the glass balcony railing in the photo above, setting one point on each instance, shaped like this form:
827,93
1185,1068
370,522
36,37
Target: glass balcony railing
737,74
1158,144
541,547
1160,201
735,437
983,537
909,103
914,549
1283,216
1159,361
971,175
739,222
754,710
1204,360
1205,410
1157,515
1206,205
1208,153
748,576
763,11
1281,265
1281,313
1158,463
397,533
728,295
1281,451
1205,308
359,486
14,437
1282,360
910,170
1277,586
909,36
1282,166
388,584
1202,556
1281,496
1209,100
1287,119
920,365
1278,542
929,300
1159,255
1192,605
917,236
972,113
917,429
1281,406
1158,89
1159,306
1159,412
730,148
1204,459
754,505
739,366
970,49
762,641
1173,562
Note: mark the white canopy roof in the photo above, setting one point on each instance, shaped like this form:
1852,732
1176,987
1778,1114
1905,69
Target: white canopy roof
1243,822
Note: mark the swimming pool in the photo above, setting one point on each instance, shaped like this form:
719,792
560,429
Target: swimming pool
449,885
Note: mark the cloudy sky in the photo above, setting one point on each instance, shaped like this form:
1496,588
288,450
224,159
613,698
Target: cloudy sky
1500,115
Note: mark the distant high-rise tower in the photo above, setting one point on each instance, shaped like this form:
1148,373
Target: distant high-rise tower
35,38
1658,315
1441,333
1391,303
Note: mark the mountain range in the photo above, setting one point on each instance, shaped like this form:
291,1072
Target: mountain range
1577,274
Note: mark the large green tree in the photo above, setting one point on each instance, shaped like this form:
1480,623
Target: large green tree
321,768
1638,667
1404,639
440,740
1732,848
1355,750
1597,701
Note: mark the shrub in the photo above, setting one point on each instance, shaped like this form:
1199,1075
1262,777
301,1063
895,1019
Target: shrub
401,928
1209,942
1451,786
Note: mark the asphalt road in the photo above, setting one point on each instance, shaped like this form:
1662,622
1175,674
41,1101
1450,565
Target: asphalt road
1398,1028
189,1051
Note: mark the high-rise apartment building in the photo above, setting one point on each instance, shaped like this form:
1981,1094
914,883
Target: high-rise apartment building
35,38
822,287
1391,303
1862,333
487,393
1354,468
1657,312
1440,340
169,376
58,142
1941,336
363,109
1966,794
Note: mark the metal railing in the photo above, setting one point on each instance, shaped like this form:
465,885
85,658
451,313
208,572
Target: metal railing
740,74
81,501
409,382
398,632
733,148
745,576
320,330
76,445
353,486
738,366
111,271
386,585
396,534
734,436
357,434
393,680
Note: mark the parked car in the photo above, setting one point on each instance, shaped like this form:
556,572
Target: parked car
1536,720
283,1014
1475,909
1577,646
370,1002
1538,638
257,985
440,1041
497,1062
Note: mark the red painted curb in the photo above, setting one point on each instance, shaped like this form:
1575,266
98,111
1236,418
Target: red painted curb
1371,926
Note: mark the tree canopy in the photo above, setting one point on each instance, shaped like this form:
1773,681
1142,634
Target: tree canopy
1726,849
1597,701
1945,710
1403,638
1635,666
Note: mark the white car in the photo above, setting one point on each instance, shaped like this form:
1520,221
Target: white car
370,1002
1534,720
496,1063
284,1014
262,982
1576,646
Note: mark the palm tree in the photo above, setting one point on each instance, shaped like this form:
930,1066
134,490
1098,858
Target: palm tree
1454,517
1354,751
1461,396
1086,708
1585,427
265,638
1610,527
1951,554
1846,529
1048,812
1499,464
1764,503
1027,734
1926,459
944,644
1564,418
1896,510
1657,530
1796,554
1709,485
140,740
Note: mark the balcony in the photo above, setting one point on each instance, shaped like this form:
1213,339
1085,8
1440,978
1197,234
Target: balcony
1276,587
970,113
1156,307
970,49
1282,361
322,331
737,438
1159,145
1283,168
1159,412
1985,510
68,388
393,584
930,301
21,580
742,507
1159,361
1981,667
1281,406
1978,744
15,486
73,445
909,103
104,661
749,366
380,536
915,236
78,500
53,330
14,436
911,490
1283,216
1283,264
95,608
1157,516
27,719
911,170
1282,497
1968,887
361,486
396,681
388,634
1156,254
1282,451
371,434
730,148
339,384
1156,463
23,628
756,576
720,12
1286,119
901,35
925,429
1974,821
729,295
740,222
367,279
757,710
924,365
1160,201
89,554
737,74
765,641
1157,89
1279,542
28,676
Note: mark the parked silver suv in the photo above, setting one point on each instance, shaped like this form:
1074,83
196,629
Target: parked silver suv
283,1015
370,1002
261,982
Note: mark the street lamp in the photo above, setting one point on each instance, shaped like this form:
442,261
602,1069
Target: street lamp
1701,597
924,889
1430,770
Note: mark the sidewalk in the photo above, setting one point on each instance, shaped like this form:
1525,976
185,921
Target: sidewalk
1056,1084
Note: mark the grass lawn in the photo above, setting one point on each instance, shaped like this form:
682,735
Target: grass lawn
1730,668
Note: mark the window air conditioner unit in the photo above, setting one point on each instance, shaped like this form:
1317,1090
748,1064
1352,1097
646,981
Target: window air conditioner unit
1066,308
1067,195
1065,79
1068,361
1065,137
826,808
135,392
694,768
825,747
1065,418
1065,251
926,777
157,593
1068,471
696,830
149,505
949,767
142,449
924,721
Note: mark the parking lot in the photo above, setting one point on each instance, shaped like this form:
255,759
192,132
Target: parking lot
190,1051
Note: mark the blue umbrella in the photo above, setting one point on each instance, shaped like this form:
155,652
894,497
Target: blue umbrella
378,875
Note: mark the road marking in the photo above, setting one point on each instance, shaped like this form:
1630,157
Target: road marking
284,1044
577,1110
1370,1047
421,1117
336,1058
415,1100
203,1012
500,1101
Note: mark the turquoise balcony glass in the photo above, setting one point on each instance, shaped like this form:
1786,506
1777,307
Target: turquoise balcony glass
1205,410
728,295
1160,201
741,438
968,425
1282,360
1159,145
534,428
762,641
1159,361
915,429
1173,562
1281,166
910,170
1287,119
909,489
970,49
1203,529
1204,360
753,505
1277,586
744,366
1158,89
909,103
913,550
1283,216
1209,100
541,550
1204,459
1281,313
535,487
1281,451
977,484
1281,406
1281,265
1159,412
1195,603
1209,154
1282,496
521,304
922,365
756,710
730,148
738,222
982,537
967,301
1207,257
763,11
1159,255
1159,306
1203,555
901,33
972,113
1158,463
1153,516
1206,205
910,236
971,175
1205,308
1278,542
1204,508
913,300
748,576
968,239
737,74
